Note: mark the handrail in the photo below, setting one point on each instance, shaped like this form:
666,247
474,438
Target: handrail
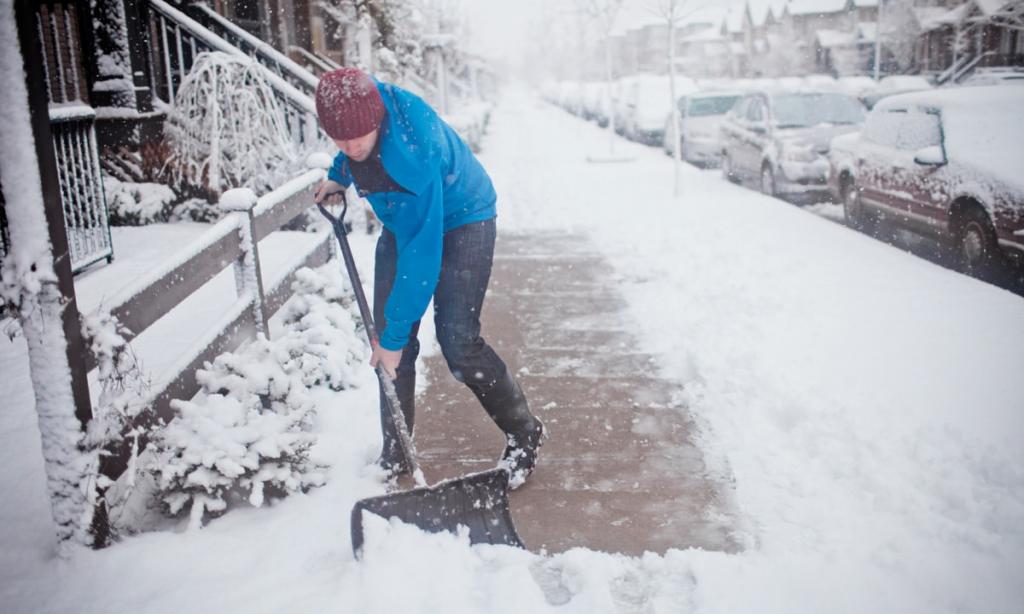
264,53
216,43
313,58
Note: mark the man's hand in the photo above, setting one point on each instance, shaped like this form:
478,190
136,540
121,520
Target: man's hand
388,359
329,192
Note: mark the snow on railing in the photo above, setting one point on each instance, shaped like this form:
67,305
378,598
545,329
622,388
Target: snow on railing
234,241
81,188
178,39
264,53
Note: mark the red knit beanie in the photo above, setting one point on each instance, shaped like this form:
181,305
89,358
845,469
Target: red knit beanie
348,104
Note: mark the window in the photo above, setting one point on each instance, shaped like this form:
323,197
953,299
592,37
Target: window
755,112
740,109
882,127
805,110
919,129
717,105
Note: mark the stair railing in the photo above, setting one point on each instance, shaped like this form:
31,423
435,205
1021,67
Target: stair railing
177,39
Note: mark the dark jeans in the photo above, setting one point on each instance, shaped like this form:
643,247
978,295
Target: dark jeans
465,272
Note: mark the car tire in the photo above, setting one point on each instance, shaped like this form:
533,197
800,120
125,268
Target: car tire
977,248
727,172
857,216
768,181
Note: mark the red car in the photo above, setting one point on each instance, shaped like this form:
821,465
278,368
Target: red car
948,163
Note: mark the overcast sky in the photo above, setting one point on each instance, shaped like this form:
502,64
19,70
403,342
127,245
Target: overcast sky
504,29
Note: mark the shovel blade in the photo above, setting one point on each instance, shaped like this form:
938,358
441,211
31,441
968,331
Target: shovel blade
478,501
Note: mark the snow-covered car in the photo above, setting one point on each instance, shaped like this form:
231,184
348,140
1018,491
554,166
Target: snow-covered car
995,76
896,84
780,140
595,104
645,102
857,85
700,121
945,163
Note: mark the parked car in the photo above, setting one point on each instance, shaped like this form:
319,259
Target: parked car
896,84
780,139
996,76
700,122
945,163
645,101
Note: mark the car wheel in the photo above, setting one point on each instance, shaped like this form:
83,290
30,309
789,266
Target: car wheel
857,217
768,180
977,247
727,171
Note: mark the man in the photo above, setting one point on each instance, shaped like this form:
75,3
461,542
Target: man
437,205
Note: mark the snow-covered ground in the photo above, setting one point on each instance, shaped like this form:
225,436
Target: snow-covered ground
867,402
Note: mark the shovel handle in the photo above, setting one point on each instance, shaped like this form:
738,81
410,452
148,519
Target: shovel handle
391,401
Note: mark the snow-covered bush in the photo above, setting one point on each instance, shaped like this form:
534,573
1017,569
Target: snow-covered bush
247,435
135,204
226,129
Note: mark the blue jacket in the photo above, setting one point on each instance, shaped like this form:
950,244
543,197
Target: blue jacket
448,188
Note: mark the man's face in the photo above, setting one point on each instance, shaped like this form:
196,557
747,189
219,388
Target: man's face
359,148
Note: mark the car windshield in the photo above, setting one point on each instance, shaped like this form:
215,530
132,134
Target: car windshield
803,110
710,105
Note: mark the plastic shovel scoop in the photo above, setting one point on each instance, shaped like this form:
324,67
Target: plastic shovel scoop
478,501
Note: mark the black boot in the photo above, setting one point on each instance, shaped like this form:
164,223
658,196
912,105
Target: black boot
506,404
391,460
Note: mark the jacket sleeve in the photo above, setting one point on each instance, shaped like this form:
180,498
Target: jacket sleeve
339,171
419,238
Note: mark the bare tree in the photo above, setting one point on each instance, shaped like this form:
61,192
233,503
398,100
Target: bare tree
673,13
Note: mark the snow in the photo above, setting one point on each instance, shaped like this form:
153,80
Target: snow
866,403
982,127
816,7
28,283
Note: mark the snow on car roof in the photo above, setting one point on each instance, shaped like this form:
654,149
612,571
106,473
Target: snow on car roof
982,126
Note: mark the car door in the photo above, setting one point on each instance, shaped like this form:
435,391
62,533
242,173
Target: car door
919,190
757,135
876,157
732,129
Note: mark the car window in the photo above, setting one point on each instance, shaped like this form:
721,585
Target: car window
882,127
810,109
755,112
717,105
919,129
740,109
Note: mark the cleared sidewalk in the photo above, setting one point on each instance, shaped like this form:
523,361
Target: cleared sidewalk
620,471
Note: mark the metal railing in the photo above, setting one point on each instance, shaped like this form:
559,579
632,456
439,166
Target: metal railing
81,186
319,63
278,63
175,41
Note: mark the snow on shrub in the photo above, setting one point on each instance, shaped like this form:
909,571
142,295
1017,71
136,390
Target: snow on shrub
135,204
247,435
226,128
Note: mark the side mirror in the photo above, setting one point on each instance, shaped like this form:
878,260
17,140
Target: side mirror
930,156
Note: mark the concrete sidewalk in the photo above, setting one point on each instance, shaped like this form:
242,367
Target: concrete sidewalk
620,471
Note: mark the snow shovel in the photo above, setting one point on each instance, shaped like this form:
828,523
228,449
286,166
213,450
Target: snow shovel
478,501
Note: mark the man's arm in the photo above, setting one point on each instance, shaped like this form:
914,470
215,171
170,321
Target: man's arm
420,240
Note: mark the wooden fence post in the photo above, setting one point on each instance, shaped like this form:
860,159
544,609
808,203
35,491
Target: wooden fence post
248,274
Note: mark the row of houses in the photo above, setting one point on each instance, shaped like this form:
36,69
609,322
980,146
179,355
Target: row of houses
770,38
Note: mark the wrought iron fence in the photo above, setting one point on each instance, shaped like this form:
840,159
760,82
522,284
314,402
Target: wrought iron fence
72,127
81,186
